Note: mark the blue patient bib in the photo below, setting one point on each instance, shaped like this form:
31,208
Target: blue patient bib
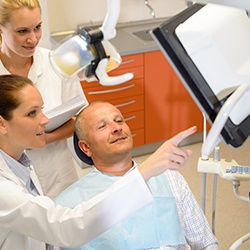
155,225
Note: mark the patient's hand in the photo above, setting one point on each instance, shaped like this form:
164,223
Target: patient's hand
167,156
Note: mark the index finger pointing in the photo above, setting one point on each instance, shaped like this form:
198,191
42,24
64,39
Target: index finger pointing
182,135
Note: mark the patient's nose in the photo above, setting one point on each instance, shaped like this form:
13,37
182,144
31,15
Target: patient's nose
116,128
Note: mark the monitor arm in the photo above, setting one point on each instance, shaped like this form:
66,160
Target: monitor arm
213,137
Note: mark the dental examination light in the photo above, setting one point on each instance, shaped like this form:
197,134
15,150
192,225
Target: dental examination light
88,55
208,47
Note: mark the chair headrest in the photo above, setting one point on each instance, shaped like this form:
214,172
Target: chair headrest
82,156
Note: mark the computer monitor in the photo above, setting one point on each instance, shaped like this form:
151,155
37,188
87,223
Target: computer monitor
208,47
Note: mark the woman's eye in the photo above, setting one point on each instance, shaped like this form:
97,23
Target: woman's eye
38,27
32,113
22,31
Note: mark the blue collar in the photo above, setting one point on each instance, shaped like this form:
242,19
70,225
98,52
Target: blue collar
21,169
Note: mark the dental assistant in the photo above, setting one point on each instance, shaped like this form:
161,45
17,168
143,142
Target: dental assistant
21,31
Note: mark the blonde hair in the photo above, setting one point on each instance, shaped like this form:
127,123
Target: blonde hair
7,6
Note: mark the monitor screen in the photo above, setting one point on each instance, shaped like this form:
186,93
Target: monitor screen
207,45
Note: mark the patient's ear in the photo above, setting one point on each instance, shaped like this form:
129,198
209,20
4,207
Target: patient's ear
83,145
3,127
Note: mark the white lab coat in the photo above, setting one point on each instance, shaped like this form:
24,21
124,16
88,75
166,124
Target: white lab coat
54,163
26,221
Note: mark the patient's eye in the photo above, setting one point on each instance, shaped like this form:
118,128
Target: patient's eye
119,120
102,125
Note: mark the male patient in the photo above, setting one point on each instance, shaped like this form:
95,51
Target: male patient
173,220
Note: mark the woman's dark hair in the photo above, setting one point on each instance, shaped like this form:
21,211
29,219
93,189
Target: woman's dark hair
10,87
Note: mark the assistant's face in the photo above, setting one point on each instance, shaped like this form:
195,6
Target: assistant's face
23,32
27,126
108,134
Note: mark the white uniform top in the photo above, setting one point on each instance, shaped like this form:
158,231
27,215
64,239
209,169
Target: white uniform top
54,163
26,221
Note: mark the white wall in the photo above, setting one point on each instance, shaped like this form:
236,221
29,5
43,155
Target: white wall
45,40
67,14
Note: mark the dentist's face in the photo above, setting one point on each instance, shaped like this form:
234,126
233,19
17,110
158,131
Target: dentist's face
27,126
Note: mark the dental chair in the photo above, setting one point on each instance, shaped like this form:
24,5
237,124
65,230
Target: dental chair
208,47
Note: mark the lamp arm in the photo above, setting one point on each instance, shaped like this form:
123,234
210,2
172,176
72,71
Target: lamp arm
109,23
